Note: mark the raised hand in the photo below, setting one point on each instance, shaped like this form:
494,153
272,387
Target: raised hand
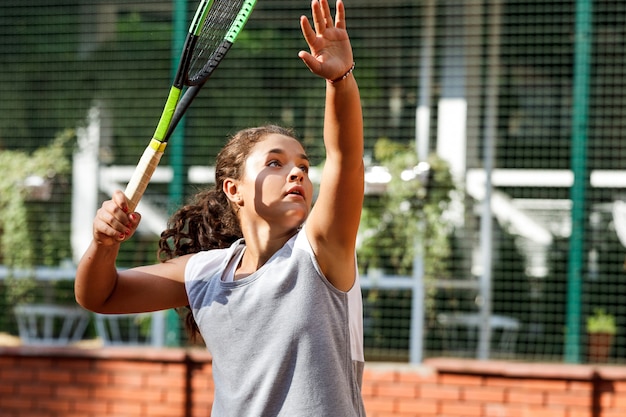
330,53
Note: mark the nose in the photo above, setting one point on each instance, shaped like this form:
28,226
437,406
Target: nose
296,174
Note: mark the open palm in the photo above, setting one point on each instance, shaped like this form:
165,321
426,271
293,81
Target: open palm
330,53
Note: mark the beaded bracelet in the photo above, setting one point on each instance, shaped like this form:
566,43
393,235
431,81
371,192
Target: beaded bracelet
344,76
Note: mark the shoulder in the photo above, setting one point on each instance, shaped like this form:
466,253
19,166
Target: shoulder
202,264
337,265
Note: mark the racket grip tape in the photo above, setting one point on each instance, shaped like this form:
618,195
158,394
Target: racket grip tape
143,172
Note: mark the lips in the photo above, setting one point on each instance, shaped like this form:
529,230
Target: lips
297,190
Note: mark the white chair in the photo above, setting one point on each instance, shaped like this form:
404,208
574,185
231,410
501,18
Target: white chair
49,324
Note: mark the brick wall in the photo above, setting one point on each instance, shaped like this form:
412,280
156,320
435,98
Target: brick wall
126,382
471,388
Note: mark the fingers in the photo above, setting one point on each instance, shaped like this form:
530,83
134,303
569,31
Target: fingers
330,51
340,15
307,31
310,37
119,198
318,20
113,223
310,61
322,16
325,9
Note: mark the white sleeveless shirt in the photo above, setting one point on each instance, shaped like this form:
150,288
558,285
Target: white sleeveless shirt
284,340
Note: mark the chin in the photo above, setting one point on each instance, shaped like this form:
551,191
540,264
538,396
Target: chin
296,219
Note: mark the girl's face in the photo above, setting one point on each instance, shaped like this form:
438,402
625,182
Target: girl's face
276,184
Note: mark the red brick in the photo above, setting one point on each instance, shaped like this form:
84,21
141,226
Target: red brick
397,390
200,410
174,397
579,412
394,414
57,405
35,362
160,380
165,410
380,375
618,400
202,413
72,391
483,394
7,388
90,406
93,378
378,404
17,403
524,396
128,379
128,409
115,394
175,369
37,390
369,389
568,399
75,365
16,374
619,386
502,382
439,392
120,366
461,409
504,410
614,413
544,384
545,412
206,399
54,375
471,380
79,414
418,407
419,376
581,387
28,413
200,382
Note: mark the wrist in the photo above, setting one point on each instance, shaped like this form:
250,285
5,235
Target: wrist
344,76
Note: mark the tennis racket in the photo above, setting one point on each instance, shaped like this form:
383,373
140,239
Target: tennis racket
214,28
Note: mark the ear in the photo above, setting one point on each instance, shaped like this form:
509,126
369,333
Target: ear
231,189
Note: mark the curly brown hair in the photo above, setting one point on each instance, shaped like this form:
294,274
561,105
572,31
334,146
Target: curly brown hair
209,220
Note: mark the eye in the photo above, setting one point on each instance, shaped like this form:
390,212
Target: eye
274,163
304,168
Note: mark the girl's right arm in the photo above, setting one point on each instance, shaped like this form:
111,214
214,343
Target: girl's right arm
101,288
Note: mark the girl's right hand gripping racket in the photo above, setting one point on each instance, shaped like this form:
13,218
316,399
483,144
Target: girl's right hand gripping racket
213,30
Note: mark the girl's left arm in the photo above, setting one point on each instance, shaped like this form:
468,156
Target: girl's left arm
334,221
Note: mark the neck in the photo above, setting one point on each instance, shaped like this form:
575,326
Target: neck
260,247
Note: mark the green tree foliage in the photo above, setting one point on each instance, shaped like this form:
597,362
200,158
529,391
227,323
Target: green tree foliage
408,209
17,241
408,213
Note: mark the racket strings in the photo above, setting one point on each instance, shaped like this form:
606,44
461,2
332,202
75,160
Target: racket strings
210,41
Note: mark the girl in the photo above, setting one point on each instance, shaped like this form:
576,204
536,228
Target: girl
276,300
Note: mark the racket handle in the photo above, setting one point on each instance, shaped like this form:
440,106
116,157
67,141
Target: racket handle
143,172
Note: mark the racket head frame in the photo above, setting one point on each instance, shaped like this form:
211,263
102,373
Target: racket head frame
196,81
